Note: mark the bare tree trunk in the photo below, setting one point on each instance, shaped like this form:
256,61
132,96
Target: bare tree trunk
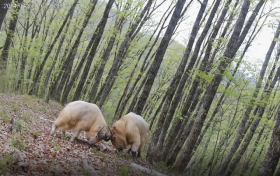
233,45
272,110
56,56
273,153
35,33
98,32
245,165
156,113
265,96
181,138
224,140
24,47
123,101
154,145
152,72
177,125
248,44
193,59
134,99
122,52
106,53
242,127
40,68
258,156
71,56
10,35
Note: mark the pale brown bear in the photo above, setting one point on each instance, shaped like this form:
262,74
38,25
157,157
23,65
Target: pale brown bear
82,116
132,130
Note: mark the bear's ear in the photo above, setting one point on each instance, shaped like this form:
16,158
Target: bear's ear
114,127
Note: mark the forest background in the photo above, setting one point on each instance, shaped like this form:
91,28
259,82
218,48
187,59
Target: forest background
203,74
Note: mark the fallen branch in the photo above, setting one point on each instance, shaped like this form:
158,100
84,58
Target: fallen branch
90,170
146,170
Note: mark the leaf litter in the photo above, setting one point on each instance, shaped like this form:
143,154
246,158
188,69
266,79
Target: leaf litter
32,151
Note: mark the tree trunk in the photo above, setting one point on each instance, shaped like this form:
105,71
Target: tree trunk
181,137
120,104
232,47
123,101
258,156
40,68
152,72
272,111
156,113
98,32
223,35
265,96
216,110
242,127
71,56
56,57
122,52
178,95
273,153
24,53
10,35
142,70
105,56
177,124
155,145
35,33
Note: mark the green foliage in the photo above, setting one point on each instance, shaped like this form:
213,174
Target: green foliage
5,163
85,172
37,134
94,150
124,170
100,154
18,141
56,146
119,154
206,77
27,116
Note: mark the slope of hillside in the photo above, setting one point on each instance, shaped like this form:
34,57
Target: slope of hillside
32,151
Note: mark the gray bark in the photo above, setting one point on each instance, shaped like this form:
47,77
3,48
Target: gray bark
40,68
98,32
172,88
273,152
232,47
121,54
71,56
242,127
10,35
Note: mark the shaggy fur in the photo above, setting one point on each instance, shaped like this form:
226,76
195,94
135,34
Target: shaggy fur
132,130
81,116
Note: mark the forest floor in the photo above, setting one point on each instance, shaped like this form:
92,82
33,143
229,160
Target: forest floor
32,151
